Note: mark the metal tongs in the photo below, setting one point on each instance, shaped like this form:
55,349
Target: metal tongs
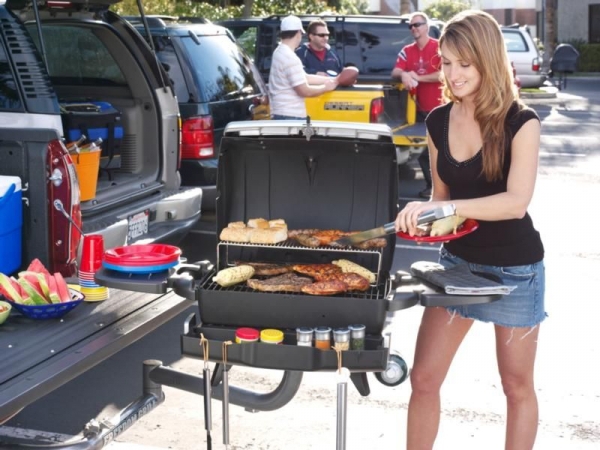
389,228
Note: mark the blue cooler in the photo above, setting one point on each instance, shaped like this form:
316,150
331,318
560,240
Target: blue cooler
11,222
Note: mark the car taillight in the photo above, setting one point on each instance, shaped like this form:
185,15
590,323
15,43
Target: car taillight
535,64
64,187
376,110
198,138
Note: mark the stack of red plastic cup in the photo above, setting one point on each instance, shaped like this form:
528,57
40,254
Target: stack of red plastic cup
91,261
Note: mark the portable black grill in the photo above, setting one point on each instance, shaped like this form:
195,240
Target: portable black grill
314,176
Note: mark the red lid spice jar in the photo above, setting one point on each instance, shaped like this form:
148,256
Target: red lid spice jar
243,335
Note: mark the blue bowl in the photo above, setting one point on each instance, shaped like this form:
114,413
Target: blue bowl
51,310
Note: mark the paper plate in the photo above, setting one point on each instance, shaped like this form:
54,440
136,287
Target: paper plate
139,269
142,255
467,227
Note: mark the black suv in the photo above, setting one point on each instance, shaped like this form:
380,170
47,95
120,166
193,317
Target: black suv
215,83
59,54
369,42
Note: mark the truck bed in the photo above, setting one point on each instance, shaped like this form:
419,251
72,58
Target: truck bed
38,356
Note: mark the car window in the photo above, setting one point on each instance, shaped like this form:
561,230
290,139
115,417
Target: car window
514,41
221,68
380,45
9,95
77,57
167,56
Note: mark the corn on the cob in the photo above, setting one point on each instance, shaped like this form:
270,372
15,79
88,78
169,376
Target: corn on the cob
446,225
351,267
233,275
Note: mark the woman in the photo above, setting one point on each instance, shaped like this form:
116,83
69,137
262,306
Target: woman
484,147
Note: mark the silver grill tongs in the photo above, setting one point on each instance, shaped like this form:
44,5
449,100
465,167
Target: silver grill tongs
427,217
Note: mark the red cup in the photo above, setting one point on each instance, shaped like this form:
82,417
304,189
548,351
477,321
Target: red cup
91,253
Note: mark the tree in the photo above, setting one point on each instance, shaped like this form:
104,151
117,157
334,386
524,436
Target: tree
445,9
550,24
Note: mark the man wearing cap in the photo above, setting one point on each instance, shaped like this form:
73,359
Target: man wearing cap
289,85
316,55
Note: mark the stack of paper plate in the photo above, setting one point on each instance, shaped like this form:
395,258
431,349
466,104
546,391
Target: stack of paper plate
142,259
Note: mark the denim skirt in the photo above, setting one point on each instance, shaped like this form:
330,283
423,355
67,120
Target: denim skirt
523,307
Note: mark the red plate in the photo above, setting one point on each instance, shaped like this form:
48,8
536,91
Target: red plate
467,227
142,255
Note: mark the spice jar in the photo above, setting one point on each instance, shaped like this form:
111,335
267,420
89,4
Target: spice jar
271,336
323,338
243,335
357,336
304,336
341,339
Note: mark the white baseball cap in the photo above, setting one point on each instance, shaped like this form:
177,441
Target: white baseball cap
291,23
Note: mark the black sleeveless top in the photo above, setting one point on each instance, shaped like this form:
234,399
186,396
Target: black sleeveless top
513,242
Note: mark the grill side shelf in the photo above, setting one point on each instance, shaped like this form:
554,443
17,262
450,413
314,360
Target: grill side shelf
286,356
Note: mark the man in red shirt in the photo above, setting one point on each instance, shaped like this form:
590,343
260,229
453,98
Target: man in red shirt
418,66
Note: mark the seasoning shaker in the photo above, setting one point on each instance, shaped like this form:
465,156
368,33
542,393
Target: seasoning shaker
271,336
323,338
357,336
304,336
341,339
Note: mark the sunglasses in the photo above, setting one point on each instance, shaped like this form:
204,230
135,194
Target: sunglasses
321,35
416,24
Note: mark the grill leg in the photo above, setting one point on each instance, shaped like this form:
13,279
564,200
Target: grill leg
360,381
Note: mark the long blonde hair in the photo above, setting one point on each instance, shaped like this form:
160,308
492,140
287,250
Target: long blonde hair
476,38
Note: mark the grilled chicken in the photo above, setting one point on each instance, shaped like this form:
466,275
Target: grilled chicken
325,288
316,270
354,281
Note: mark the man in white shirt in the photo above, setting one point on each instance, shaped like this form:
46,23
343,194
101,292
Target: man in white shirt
288,83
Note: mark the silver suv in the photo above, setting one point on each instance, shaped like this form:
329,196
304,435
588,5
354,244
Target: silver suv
525,55
81,53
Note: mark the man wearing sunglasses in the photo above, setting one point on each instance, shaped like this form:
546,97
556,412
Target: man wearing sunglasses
288,84
418,66
316,55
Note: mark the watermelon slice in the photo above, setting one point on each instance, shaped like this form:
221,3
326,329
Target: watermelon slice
44,285
32,292
62,288
8,290
37,266
53,296
34,281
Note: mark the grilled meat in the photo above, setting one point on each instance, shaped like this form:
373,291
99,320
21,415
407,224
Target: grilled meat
307,240
312,237
316,270
325,288
309,231
266,269
288,282
354,281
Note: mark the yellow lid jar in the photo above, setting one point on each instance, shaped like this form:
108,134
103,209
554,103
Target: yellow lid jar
271,336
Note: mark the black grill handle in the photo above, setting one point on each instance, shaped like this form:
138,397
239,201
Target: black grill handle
188,277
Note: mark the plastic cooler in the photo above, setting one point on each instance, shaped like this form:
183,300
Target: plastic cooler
11,222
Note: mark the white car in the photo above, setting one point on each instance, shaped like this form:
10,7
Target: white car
525,56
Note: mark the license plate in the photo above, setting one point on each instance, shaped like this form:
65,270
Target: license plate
138,225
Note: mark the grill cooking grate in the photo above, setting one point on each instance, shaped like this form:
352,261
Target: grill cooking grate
223,249
373,293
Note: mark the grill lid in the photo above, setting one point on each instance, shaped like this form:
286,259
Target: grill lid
326,175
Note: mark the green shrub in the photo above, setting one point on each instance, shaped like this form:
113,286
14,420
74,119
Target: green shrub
589,58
